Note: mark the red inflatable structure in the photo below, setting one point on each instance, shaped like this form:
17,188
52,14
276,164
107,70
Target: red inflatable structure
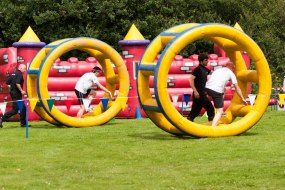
65,73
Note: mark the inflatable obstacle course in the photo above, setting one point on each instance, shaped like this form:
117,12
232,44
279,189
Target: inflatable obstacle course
156,78
64,74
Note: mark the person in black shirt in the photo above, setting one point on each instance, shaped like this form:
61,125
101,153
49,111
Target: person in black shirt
198,81
16,93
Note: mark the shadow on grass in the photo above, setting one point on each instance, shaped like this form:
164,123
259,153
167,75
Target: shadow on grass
166,136
36,126
51,126
48,126
248,134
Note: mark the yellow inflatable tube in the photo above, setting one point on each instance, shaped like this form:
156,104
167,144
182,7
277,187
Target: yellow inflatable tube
162,106
32,76
146,69
37,76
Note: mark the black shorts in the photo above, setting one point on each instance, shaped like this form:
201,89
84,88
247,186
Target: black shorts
217,97
80,95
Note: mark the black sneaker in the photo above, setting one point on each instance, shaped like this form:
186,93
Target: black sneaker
24,125
1,126
190,119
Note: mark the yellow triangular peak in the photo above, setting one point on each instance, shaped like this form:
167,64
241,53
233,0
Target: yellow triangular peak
29,36
237,26
134,34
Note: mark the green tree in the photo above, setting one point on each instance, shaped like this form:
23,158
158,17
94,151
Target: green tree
109,21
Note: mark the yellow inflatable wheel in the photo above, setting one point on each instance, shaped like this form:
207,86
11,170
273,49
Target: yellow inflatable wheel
169,43
38,71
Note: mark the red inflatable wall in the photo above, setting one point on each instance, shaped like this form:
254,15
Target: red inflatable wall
8,64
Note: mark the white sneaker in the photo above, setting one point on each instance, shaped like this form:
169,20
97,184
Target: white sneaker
90,109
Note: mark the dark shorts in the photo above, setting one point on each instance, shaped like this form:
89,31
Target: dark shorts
217,97
80,95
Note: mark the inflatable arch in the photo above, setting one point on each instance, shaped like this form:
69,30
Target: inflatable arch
169,43
37,79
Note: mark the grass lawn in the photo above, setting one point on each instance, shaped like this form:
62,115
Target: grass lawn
135,154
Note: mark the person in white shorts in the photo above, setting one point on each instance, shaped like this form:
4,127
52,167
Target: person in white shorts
215,88
85,85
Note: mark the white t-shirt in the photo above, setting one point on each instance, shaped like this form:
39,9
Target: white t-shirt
220,78
85,82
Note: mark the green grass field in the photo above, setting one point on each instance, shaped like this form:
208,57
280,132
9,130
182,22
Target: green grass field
135,154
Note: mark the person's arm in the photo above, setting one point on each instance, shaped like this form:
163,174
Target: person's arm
192,84
94,87
239,92
103,88
18,78
237,88
20,88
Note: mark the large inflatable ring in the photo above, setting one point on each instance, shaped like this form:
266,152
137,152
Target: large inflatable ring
169,43
38,71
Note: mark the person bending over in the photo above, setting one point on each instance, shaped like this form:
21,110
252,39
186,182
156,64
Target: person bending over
85,87
215,88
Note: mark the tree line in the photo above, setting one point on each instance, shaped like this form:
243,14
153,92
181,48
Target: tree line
109,21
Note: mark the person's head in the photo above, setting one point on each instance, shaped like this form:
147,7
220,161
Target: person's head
96,70
231,66
22,68
203,59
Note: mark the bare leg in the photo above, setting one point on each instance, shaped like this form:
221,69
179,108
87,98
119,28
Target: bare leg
217,116
80,111
92,96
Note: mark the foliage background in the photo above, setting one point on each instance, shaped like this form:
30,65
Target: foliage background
109,21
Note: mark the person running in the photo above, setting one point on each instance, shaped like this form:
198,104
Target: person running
197,82
85,87
16,82
215,88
